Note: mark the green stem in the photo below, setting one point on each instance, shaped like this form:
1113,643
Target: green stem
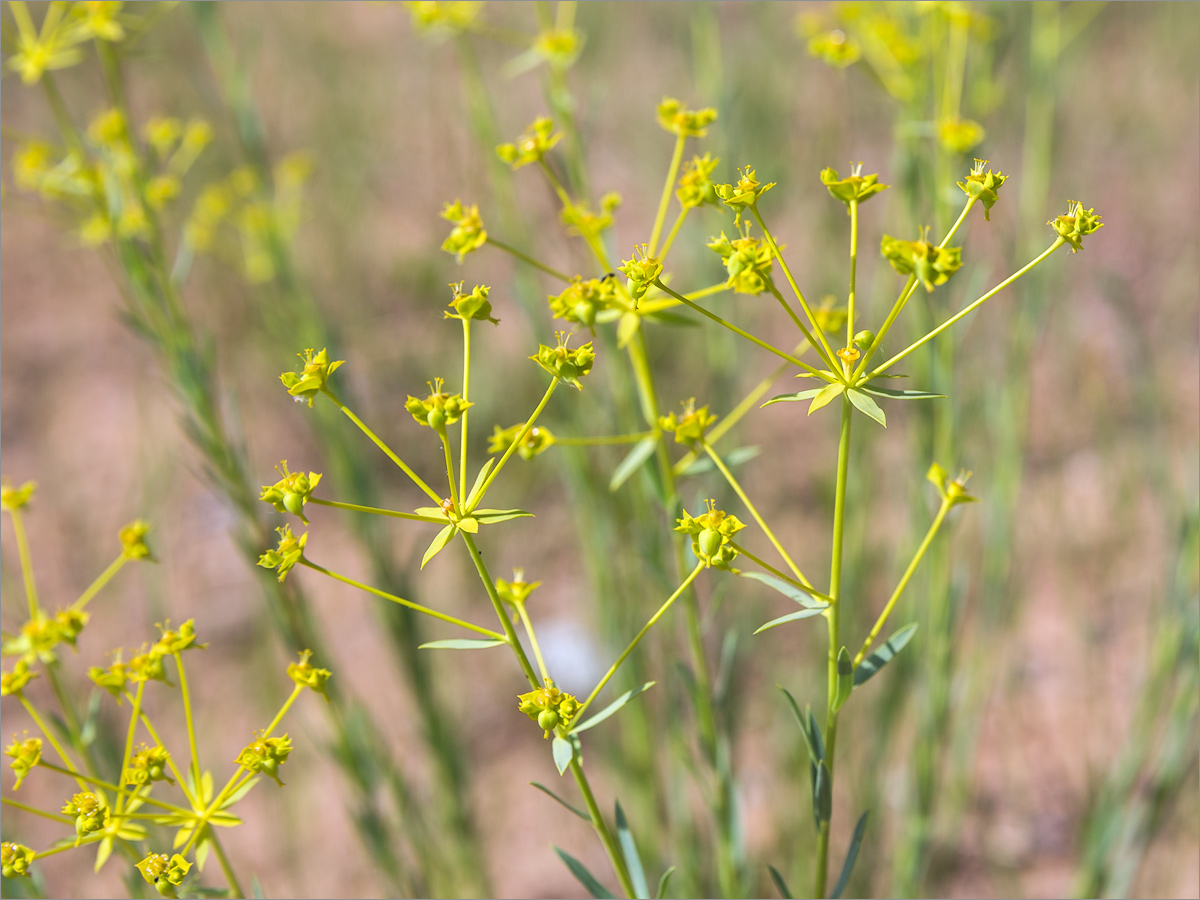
962,217
510,633
87,779
1058,242
226,867
662,611
537,651
738,331
31,594
853,277
416,479
287,704
183,785
615,855
807,588
832,616
95,587
563,197
529,260
512,448
737,489
416,606
908,574
133,719
37,812
187,714
49,735
665,201
354,507
449,465
666,247
462,451
905,292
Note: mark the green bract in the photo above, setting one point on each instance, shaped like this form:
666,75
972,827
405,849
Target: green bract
743,194
474,305
288,552
537,440
549,707
566,365
695,183
641,269
854,188
983,186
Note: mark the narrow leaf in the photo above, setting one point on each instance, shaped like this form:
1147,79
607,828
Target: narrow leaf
641,452
241,792
787,398
586,878
562,753
901,395
822,795
791,617
780,884
805,597
201,854
845,678
546,790
469,524
479,480
492,516
633,861
851,855
443,538
732,460
460,644
815,730
434,512
103,852
868,406
825,396
662,883
612,708
881,657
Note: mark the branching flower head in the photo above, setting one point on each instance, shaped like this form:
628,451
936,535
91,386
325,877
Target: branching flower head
582,300
307,675
1076,224
983,186
25,754
532,145
15,859
291,492
712,535
474,305
695,183
549,707
538,440
689,425
438,409
166,874
675,117
641,269
854,188
289,552
312,378
932,265
747,261
468,232
565,364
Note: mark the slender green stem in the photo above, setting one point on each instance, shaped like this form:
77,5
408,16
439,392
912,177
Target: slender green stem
662,611
416,479
49,735
187,715
287,704
62,117
787,273
826,357
354,507
449,465
807,588
604,439
96,586
615,856
133,719
87,779
833,617
563,197
183,785
666,247
512,448
853,277
529,260
646,307
665,201
38,812
416,606
747,335
70,845
737,489
905,292
967,310
537,651
462,451
962,217
908,574
510,633
31,594
230,876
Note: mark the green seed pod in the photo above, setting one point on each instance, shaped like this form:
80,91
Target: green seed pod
547,719
585,313
436,418
710,542
293,502
864,339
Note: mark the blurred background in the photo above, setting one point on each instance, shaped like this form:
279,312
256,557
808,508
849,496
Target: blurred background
1040,737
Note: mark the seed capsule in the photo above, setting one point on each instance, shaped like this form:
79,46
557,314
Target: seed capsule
710,542
293,502
547,719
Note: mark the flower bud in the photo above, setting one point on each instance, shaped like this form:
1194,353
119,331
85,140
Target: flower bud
547,719
308,675
25,755
641,270
864,339
1076,224
15,859
712,535
438,409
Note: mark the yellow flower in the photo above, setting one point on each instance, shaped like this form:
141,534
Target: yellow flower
675,117
307,675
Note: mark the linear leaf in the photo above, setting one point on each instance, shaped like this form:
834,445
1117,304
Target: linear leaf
881,657
445,536
492,516
805,597
791,617
586,878
563,751
851,855
662,883
868,406
901,395
845,679
612,708
546,790
815,730
633,460
822,795
241,792
787,398
479,480
780,884
732,460
825,396
637,874
460,644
